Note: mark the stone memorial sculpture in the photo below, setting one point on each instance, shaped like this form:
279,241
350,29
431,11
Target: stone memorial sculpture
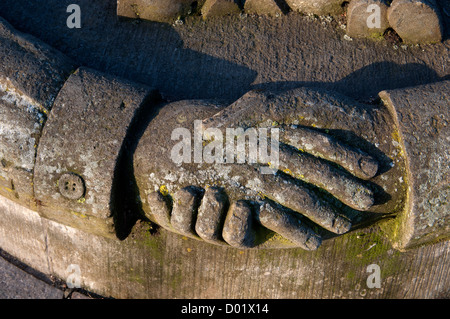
319,176
340,163
73,138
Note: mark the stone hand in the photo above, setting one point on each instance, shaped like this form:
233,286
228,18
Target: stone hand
309,161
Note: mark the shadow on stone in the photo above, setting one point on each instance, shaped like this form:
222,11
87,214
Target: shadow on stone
368,81
283,6
126,207
445,14
156,55
148,52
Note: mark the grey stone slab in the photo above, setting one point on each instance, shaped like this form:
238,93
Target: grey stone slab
166,266
197,61
17,284
22,234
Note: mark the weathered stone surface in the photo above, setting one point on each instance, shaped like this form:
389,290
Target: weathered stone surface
30,68
416,21
214,8
239,181
18,284
267,7
335,114
156,10
306,202
367,18
22,233
211,215
323,145
31,74
239,230
84,135
319,7
348,189
155,173
163,266
289,225
422,115
159,209
20,129
186,202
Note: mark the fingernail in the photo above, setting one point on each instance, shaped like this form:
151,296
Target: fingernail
368,166
364,199
313,242
341,225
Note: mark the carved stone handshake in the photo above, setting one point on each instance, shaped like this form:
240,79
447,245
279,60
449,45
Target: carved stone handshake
273,169
314,182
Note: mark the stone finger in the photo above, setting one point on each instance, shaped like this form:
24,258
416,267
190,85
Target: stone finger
288,225
238,230
324,146
345,187
186,202
211,215
159,209
300,198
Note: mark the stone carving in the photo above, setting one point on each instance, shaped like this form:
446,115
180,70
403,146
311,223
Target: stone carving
308,157
31,74
317,128
342,164
88,147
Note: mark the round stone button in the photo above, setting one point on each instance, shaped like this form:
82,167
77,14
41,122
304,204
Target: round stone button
71,186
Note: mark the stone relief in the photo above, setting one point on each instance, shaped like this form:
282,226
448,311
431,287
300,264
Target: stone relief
327,179
76,141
